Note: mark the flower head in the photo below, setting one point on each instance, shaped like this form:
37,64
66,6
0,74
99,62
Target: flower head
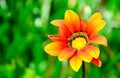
76,39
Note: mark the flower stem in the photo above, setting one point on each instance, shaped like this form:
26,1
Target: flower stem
83,69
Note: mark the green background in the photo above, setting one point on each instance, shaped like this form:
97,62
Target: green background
23,28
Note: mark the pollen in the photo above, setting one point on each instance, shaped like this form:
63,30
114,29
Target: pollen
79,43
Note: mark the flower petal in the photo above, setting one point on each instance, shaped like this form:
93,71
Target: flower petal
95,16
55,48
97,29
57,38
99,40
58,23
63,30
83,25
66,54
97,62
75,62
95,24
93,51
72,21
84,55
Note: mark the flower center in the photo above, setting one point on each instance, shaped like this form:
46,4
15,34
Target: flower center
77,40
78,43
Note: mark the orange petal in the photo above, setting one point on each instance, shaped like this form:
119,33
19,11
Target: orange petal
84,55
72,21
95,16
75,62
66,54
93,25
54,48
57,38
97,29
58,23
93,51
97,62
83,25
99,40
63,30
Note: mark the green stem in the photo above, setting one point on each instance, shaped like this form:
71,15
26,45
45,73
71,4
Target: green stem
83,69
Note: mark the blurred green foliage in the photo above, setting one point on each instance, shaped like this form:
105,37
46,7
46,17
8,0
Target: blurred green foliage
23,28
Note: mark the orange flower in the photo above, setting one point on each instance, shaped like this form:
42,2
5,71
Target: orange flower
76,39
